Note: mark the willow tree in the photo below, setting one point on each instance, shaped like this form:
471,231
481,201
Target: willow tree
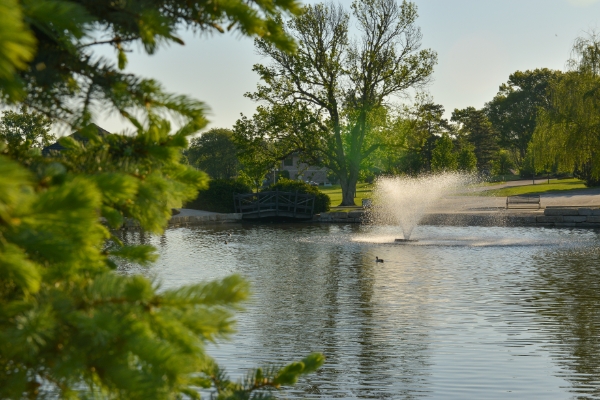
333,83
567,136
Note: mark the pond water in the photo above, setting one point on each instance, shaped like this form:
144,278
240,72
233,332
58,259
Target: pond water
464,312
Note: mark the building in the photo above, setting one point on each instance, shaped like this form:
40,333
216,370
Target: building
57,147
301,171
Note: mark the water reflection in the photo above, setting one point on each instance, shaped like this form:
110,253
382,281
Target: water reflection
567,296
497,313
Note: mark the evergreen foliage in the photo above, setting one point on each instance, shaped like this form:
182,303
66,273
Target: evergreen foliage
322,201
218,197
48,57
477,129
69,326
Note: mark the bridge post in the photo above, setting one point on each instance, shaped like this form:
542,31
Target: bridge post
277,202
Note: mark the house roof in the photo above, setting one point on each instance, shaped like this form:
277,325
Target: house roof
57,147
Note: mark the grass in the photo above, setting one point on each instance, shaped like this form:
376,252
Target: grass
540,188
363,191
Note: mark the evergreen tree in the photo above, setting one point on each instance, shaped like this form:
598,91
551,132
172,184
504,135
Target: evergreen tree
69,326
477,129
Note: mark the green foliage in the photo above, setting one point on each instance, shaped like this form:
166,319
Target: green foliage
567,137
215,153
502,164
514,110
48,58
466,158
323,102
69,326
477,129
218,197
443,157
322,201
25,130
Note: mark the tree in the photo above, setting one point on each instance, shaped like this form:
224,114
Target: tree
49,61
568,134
214,153
333,84
69,326
24,130
477,129
513,111
443,157
466,158
502,164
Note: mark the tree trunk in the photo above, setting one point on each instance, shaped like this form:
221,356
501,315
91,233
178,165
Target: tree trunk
348,191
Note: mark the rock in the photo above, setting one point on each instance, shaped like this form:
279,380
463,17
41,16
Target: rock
561,211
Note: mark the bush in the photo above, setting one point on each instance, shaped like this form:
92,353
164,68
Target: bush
219,196
322,202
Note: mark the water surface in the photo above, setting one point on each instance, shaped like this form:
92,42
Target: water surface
494,313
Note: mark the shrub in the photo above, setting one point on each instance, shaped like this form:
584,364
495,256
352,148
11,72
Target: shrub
322,201
219,196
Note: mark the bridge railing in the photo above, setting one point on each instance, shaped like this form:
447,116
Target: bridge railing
275,203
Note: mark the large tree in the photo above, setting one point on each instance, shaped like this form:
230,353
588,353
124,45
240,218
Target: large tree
215,153
333,83
24,130
69,326
567,136
477,129
513,111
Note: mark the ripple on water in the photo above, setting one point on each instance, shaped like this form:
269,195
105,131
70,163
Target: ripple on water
473,312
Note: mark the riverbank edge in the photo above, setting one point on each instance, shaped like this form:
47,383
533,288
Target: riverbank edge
557,217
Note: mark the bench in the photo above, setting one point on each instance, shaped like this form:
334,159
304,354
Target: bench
525,200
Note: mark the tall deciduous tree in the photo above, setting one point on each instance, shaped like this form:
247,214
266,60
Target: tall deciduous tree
443,157
513,111
334,83
477,129
568,134
25,129
215,153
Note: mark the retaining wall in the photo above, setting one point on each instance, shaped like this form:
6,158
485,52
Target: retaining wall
574,217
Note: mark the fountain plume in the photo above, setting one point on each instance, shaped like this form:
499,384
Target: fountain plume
403,200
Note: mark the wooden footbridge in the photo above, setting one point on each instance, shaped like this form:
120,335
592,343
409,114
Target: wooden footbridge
275,204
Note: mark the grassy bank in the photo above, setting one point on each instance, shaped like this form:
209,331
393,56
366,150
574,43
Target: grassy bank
539,188
363,191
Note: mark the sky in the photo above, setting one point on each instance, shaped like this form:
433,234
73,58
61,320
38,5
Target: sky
479,44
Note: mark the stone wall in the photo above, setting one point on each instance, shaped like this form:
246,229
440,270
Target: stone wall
575,217
563,217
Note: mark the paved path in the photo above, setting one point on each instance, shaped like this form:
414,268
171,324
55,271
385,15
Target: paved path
571,198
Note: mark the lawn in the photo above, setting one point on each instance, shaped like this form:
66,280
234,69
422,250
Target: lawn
363,191
539,188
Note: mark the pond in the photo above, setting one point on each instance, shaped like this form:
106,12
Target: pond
464,312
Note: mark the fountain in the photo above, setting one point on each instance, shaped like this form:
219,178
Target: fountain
402,201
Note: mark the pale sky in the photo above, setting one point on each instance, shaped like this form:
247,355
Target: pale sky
479,44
